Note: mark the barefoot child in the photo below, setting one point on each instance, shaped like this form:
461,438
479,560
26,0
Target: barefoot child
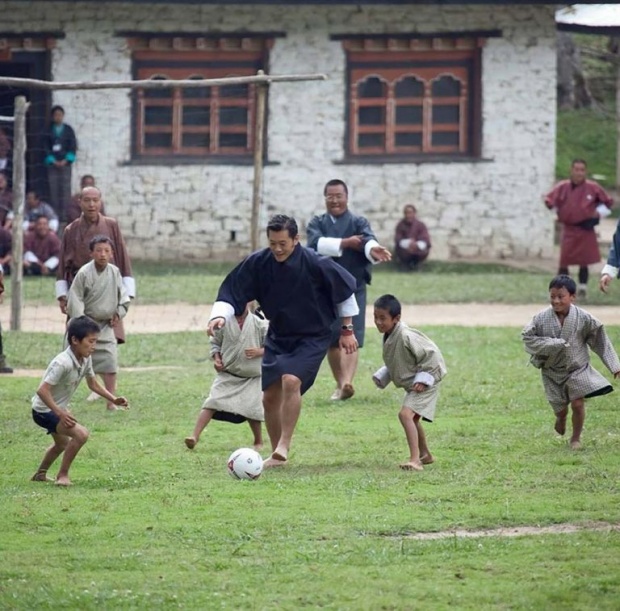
557,340
50,404
97,291
413,362
237,350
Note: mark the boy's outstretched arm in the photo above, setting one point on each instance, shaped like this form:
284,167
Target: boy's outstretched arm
101,391
44,393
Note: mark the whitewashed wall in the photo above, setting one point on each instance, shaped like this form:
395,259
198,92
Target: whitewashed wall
491,208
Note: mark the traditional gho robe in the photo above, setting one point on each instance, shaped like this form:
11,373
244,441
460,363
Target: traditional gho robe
236,392
411,241
325,234
45,250
411,357
74,253
560,351
300,297
576,207
100,295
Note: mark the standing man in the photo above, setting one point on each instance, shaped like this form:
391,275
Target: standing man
579,204
74,250
350,241
612,268
302,295
61,148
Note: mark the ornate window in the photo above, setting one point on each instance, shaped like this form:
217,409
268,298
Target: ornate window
196,122
413,97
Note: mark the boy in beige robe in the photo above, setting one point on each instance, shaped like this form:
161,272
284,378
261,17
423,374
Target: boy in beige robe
413,362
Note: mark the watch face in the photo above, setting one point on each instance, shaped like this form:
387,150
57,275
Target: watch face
347,327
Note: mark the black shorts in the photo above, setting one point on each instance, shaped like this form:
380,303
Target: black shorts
47,420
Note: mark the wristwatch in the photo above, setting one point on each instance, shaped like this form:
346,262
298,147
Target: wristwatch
347,327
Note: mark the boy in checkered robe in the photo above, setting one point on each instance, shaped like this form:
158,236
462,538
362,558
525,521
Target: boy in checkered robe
558,339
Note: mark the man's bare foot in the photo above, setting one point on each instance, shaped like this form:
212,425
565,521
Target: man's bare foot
575,444
560,425
257,446
41,476
427,459
280,454
336,395
93,397
347,392
410,465
111,407
272,462
191,442
63,480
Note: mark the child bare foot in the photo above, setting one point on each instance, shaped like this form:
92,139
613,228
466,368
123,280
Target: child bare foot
63,480
427,459
560,425
191,442
411,465
41,476
576,445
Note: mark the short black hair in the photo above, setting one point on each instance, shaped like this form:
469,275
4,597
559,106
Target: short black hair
335,182
80,327
41,216
574,161
281,222
390,303
57,107
100,239
564,282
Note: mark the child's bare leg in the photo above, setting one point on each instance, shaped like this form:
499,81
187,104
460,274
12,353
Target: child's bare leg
51,454
255,426
426,458
406,417
560,421
203,419
579,415
109,381
79,436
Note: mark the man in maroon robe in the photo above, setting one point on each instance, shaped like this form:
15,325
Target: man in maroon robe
580,204
74,251
412,241
41,249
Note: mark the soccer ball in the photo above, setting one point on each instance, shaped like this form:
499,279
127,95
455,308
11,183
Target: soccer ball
245,463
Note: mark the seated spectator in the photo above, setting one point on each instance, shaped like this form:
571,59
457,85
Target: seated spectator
41,249
6,245
35,208
6,202
74,210
413,242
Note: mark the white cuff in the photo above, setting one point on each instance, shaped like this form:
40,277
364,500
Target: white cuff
54,224
406,243
381,377
369,246
222,309
421,244
425,378
348,307
603,211
610,270
30,257
329,247
130,285
62,288
52,263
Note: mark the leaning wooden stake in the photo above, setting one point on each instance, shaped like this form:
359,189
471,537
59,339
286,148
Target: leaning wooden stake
259,155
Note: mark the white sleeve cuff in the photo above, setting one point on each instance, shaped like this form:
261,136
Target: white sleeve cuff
30,257
348,307
425,378
603,211
421,244
369,246
62,288
54,224
52,263
222,309
329,247
610,270
130,285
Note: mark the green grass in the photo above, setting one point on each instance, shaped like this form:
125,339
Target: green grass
437,282
149,524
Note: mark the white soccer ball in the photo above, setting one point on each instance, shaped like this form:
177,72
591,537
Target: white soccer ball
245,463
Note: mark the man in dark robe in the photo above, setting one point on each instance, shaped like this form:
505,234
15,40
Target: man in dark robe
302,294
74,251
579,204
612,267
350,241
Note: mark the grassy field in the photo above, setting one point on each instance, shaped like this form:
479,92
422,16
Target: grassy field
149,524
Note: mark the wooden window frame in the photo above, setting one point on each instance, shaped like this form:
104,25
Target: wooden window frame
427,60
186,58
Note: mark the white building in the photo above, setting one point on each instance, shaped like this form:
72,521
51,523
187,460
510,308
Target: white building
448,106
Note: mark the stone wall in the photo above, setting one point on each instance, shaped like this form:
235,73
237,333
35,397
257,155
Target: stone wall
490,208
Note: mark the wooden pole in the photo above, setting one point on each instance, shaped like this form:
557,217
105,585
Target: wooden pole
259,155
19,197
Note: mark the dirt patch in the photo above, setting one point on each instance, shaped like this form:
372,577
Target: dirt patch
38,373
